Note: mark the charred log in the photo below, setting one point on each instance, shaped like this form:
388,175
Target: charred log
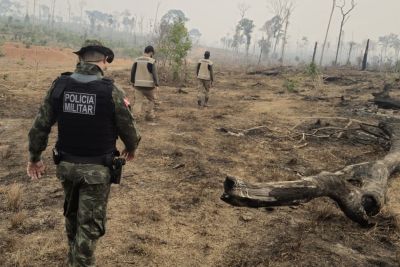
383,99
272,72
359,190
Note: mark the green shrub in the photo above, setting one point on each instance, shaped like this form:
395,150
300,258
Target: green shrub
312,70
290,86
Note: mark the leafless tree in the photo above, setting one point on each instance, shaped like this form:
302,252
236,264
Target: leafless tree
345,18
69,10
53,8
34,10
289,7
243,8
281,9
327,32
156,16
82,5
351,46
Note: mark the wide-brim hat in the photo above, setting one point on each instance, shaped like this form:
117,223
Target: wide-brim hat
94,45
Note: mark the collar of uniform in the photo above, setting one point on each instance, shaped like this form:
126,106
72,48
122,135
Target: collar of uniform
89,69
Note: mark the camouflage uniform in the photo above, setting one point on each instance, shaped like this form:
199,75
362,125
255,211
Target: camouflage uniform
86,186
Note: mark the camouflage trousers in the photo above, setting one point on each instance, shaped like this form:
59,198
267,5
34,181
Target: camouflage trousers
86,191
151,104
203,89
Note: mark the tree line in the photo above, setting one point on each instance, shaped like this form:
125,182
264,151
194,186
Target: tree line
37,23
271,47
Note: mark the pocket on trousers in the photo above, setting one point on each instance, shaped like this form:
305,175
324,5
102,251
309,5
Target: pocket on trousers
94,225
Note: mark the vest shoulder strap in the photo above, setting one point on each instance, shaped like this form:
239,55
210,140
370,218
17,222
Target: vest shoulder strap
60,85
209,62
146,60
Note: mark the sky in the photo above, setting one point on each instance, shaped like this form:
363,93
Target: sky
216,18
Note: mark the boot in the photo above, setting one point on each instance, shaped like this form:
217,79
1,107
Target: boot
206,102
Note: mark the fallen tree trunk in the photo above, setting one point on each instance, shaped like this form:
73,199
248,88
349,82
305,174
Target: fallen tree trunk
272,72
359,190
383,99
387,103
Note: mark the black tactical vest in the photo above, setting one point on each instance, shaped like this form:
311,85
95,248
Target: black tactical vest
85,116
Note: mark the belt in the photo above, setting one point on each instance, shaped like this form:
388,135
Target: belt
97,160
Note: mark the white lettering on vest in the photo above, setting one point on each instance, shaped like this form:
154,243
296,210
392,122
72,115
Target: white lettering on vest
79,103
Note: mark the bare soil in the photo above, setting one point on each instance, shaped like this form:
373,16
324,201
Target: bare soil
167,211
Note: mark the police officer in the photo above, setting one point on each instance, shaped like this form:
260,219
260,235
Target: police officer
205,75
91,113
144,78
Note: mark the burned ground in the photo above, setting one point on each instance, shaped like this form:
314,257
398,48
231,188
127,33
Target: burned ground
168,211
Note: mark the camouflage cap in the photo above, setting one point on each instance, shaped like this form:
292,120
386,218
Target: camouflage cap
96,45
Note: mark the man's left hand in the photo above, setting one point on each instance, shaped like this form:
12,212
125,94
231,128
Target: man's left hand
35,170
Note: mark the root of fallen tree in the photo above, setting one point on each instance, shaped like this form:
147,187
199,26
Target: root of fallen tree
359,190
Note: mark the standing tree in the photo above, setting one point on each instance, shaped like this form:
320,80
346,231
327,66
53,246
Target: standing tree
195,35
174,41
282,10
82,5
327,32
288,9
272,29
53,9
34,11
365,58
387,42
304,45
69,10
238,38
226,41
243,8
351,45
395,45
265,47
44,13
384,42
6,7
156,16
246,27
345,18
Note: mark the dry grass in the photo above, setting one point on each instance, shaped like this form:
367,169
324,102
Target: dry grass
14,197
162,216
323,211
17,219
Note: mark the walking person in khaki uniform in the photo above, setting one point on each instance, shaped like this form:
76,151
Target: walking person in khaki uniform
144,78
205,74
